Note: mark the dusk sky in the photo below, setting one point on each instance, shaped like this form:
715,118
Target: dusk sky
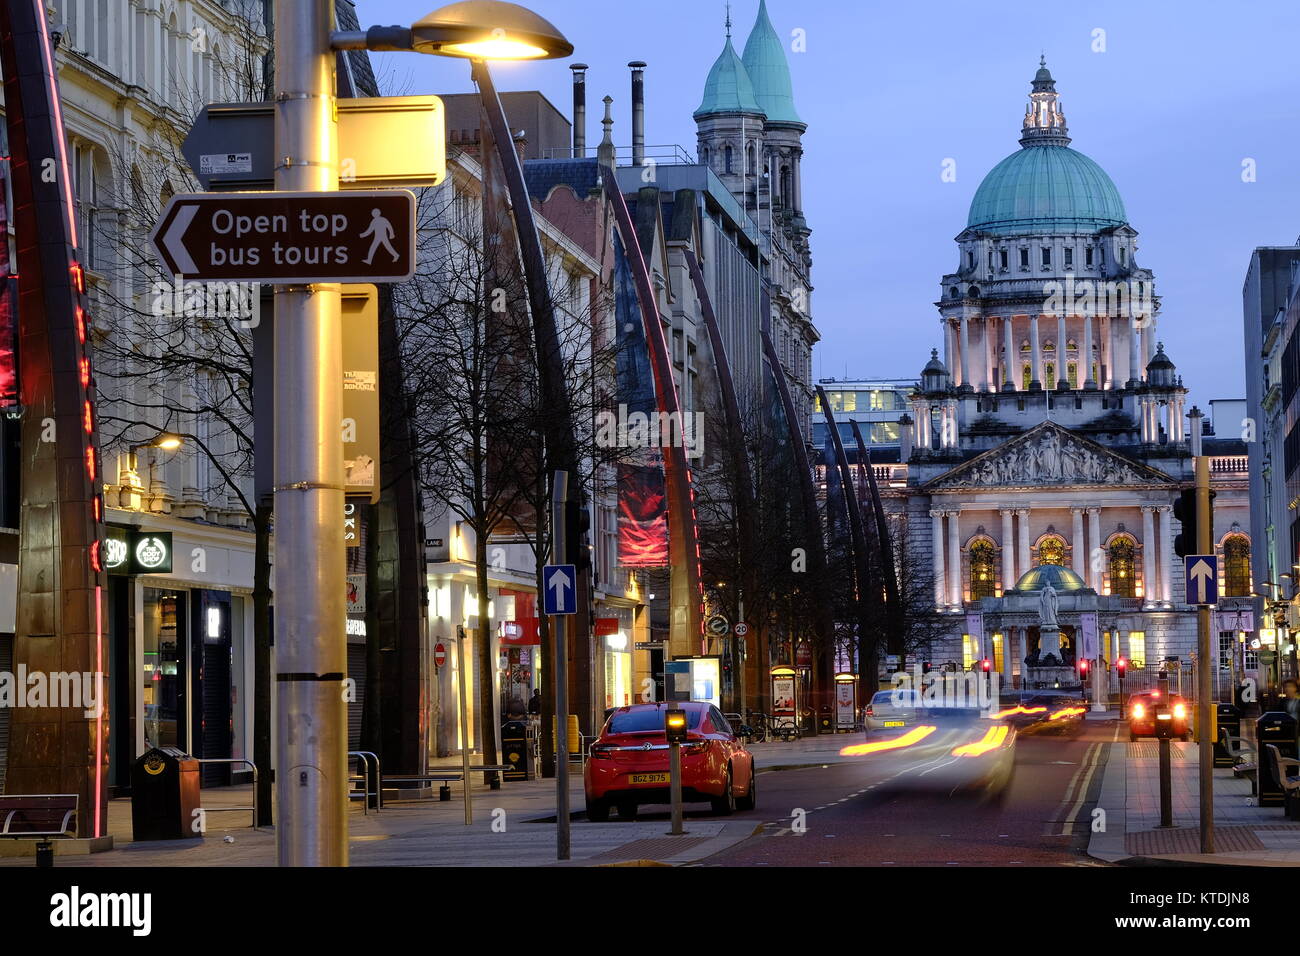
1183,94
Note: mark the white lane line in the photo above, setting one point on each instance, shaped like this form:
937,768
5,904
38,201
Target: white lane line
1057,814
1068,829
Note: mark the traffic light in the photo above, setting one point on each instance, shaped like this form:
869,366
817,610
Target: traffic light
1185,512
577,523
1121,666
925,667
1083,667
986,664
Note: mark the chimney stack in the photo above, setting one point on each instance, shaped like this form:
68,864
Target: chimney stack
579,109
638,112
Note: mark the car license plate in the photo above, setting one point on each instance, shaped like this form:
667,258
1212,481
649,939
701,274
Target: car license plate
648,778
895,723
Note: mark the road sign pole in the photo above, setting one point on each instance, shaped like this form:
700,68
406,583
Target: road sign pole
311,778
1205,713
559,630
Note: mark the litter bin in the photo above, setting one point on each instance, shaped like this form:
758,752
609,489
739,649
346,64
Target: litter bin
1276,727
1228,718
514,747
165,795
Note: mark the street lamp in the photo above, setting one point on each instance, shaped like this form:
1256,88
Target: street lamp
163,440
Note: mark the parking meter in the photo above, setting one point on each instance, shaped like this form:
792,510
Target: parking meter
675,725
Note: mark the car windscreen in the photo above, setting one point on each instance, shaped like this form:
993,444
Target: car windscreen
649,718
899,698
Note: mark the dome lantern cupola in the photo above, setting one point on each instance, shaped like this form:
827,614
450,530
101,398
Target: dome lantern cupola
1160,370
728,88
1044,122
935,377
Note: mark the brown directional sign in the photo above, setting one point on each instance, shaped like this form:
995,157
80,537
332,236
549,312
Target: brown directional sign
289,237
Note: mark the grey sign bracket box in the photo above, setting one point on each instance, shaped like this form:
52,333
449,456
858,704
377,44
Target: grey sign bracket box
231,146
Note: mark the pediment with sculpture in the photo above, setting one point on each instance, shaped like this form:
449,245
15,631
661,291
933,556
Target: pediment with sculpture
1048,455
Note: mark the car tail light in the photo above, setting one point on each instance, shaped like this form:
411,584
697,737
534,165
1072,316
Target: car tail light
1138,711
602,751
1180,711
1155,693
869,712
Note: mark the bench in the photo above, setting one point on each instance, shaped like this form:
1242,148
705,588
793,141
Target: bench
1290,782
43,815
448,774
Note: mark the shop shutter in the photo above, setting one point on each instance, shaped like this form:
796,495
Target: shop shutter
7,667
357,671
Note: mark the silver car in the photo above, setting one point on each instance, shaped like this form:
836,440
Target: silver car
891,709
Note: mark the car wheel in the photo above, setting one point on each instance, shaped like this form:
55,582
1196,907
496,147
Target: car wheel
597,810
627,811
750,799
725,805
1132,737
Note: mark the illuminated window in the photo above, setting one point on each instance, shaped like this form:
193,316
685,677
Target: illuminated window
1236,566
967,651
1137,648
1026,378
1049,373
999,652
983,579
1072,371
1052,550
1123,582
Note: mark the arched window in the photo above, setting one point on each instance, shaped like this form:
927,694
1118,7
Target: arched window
726,158
1120,571
704,155
1051,550
1049,373
749,159
1236,566
1072,370
983,577
1027,378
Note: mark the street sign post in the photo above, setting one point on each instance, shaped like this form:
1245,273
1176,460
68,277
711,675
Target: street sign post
561,581
1202,578
289,237
384,142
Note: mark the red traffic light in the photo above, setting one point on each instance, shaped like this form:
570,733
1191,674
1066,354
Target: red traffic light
1121,665
986,664
1083,665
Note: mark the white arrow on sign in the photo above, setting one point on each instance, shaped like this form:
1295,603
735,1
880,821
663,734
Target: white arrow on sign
1201,574
172,240
559,583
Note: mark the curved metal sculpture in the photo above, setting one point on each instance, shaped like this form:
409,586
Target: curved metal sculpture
60,571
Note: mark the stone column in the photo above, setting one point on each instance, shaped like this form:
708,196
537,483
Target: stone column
954,559
1163,554
1077,546
1086,378
1024,651
965,350
1112,356
1024,561
1036,355
990,355
950,347
1010,381
1148,339
1134,356
1148,554
1008,655
1062,371
936,546
1094,542
1008,551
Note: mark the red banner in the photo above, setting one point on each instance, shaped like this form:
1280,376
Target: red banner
522,631
8,315
642,517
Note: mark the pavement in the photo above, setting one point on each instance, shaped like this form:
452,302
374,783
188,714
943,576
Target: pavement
513,826
1245,834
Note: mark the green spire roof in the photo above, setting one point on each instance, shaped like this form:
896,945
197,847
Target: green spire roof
764,59
728,89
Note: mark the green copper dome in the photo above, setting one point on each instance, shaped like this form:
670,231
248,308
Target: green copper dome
764,59
1046,189
728,89
1061,579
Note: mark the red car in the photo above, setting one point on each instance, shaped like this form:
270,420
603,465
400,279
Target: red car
1142,716
628,765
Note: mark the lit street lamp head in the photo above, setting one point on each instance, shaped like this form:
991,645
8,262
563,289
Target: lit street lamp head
488,30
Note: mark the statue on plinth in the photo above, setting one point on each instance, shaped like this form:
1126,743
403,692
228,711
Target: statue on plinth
1049,631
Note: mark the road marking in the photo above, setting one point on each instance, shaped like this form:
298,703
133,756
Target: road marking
1059,814
1083,778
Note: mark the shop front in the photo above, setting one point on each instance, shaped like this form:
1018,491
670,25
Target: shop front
179,645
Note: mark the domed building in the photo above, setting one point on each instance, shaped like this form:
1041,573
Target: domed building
1049,444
